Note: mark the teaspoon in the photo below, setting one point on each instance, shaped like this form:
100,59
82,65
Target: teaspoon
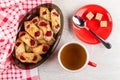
82,24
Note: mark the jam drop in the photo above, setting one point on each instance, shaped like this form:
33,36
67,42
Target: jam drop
22,34
28,26
18,43
21,57
34,20
48,33
56,14
43,24
57,26
45,48
32,42
35,58
37,33
44,13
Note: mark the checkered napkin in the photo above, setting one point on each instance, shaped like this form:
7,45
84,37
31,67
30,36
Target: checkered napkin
11,12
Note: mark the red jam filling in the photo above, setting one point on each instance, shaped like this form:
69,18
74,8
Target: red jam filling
37,34
34,20
45,48
57,26
56,14
18,43
35,58
21,57
28,26
32,42
44,13
43,24
48,33
22,34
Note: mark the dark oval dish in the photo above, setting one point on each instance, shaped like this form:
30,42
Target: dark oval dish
35,12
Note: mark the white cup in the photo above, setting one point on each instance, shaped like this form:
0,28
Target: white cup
74,57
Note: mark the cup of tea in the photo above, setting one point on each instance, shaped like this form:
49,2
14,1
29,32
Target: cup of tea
74,57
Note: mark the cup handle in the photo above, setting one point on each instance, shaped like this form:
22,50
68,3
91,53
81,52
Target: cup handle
92,64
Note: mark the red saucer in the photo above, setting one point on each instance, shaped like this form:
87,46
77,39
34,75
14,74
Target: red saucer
93,24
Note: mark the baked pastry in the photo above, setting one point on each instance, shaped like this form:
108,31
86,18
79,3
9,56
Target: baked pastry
38,36
45,27
55,21
26,38
22,55
35,20
33,30
41,49
51,41
45,13
48,35
29,57
42,41
19,46
28,49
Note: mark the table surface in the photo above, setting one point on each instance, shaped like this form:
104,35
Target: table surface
108,60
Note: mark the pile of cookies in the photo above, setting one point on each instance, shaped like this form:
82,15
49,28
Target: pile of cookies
38,36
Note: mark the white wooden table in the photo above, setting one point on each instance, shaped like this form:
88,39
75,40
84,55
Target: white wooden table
108,60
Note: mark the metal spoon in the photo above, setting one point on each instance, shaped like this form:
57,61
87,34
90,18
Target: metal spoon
82,24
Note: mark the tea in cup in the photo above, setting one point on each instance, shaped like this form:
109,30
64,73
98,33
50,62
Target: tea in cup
73,56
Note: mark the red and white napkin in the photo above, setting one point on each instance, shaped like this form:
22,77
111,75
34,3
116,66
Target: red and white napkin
11,12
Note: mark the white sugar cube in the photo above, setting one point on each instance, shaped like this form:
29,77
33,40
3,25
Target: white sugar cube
98,16
90,15
103,23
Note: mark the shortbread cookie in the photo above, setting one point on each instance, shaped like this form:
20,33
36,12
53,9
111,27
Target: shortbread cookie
42,41
26,38
48,35
51,41
33,30
29,57
45,27
41,49
35,20
28,49
55,20
19,46
45,13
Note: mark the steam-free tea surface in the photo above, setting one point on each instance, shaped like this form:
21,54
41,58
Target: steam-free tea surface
73,56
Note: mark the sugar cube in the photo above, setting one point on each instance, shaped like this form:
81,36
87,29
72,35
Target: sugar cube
103,23
90,15
98,16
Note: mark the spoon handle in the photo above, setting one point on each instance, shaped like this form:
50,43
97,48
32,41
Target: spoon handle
105,43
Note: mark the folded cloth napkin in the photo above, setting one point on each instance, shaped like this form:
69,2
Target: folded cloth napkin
11,12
